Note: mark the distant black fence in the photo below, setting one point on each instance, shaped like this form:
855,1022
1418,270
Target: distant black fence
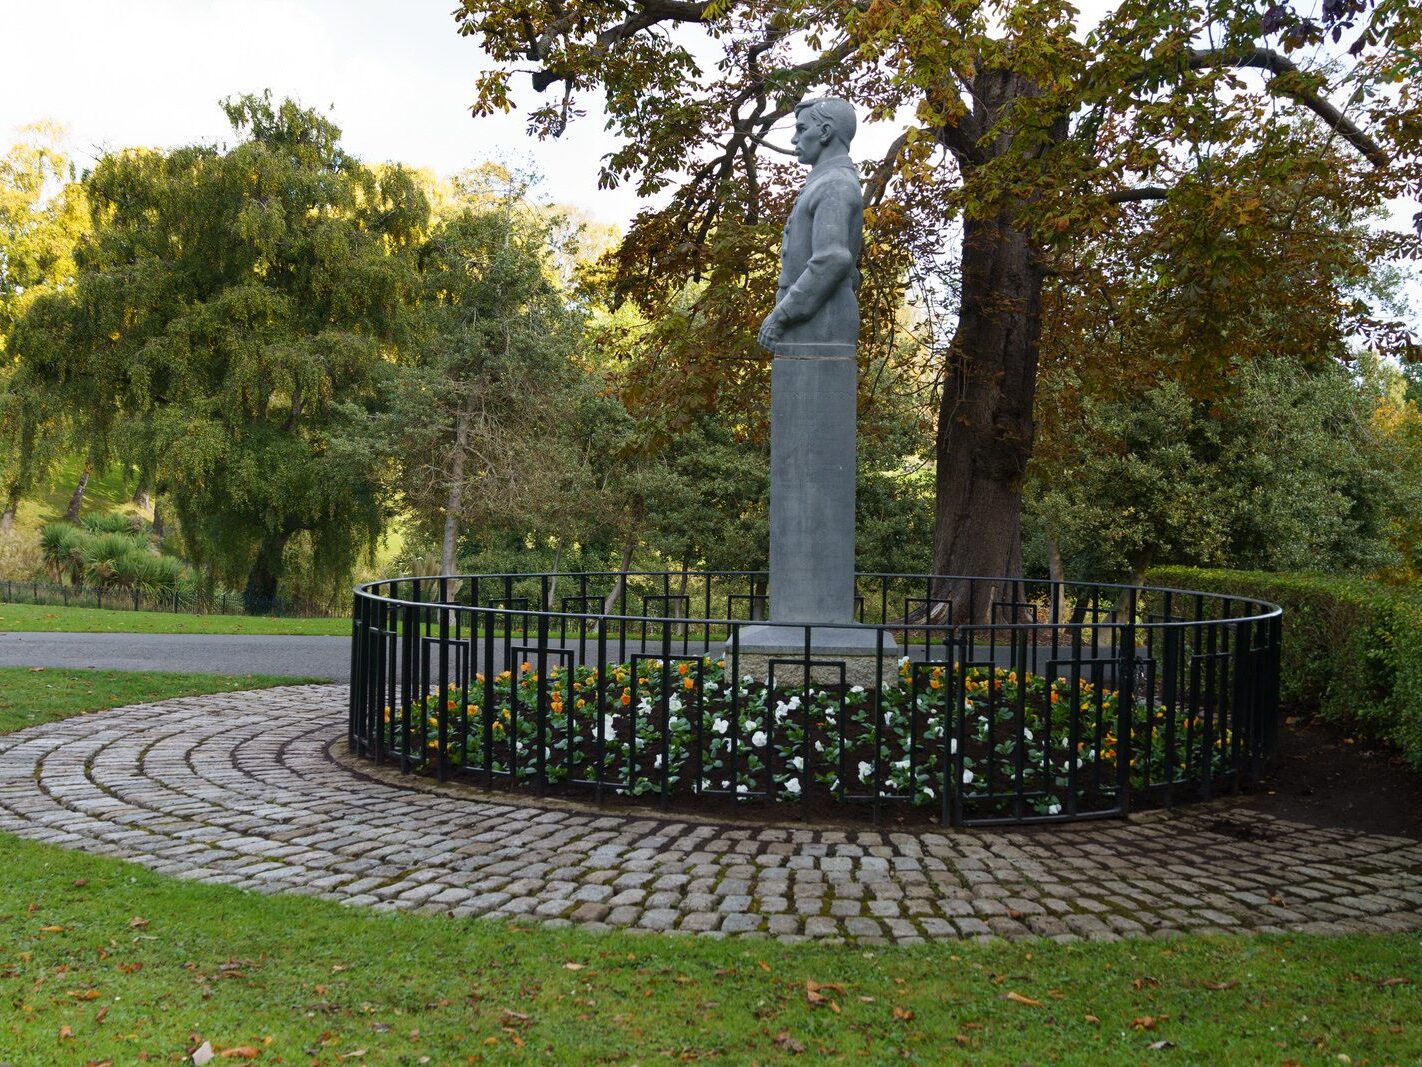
1043,702
190,601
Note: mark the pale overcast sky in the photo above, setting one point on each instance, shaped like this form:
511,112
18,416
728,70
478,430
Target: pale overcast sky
394,74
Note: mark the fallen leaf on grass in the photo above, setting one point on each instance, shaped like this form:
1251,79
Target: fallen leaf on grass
1147,1022
137,923
762,965
1018,998
1147,982
51,929
65,1033
351,1055
816,998
203,1054
572,966
85,994
903,1015
1158,1045
1384,983
101,1014
1093,1020
130,968
1232,983
240,1052
789,1044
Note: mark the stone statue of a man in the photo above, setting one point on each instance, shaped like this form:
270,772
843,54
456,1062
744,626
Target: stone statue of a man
813,333
816,310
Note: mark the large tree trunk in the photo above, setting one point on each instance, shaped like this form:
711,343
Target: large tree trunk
12,507
77,500
260,595
611,601
142,498
985,425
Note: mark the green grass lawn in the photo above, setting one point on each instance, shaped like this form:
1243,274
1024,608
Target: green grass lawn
32,695
105,961
40,617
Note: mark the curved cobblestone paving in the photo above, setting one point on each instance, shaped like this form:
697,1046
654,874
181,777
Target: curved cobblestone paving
243,789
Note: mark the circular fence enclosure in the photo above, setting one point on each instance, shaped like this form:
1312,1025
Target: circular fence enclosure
978,701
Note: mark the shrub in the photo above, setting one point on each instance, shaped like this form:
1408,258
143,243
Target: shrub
115,523
60,545
114,560
1352,648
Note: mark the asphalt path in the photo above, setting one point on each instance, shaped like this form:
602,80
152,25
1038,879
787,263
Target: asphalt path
286,655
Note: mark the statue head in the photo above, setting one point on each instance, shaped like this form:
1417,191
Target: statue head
823,127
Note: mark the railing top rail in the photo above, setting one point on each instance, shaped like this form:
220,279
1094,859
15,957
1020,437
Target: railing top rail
1262,610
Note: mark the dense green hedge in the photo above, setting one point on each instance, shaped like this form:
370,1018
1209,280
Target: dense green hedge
1352,647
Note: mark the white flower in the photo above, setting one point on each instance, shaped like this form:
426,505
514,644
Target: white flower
752,724
1026,734
819,746
967,777
673,703
657,763
609,726
928,792
742,788
792,786
953,746
758,739
903,662
902,764
1054,809
720,726
866,770
782,711
798,762
857,689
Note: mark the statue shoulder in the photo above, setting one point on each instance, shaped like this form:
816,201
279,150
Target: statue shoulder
841,185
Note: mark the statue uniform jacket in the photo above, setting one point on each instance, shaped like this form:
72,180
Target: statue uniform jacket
819,258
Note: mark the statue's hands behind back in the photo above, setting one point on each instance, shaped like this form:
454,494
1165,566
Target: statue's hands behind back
772,329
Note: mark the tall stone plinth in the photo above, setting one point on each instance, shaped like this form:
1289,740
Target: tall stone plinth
812,473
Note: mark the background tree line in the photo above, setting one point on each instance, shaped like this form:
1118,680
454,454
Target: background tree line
313,367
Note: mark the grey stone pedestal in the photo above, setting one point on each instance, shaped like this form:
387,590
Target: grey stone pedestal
812,471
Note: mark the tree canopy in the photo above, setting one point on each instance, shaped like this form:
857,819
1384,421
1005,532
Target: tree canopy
1034,137
227,306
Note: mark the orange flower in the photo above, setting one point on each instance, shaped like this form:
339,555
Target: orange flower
688,683
626,698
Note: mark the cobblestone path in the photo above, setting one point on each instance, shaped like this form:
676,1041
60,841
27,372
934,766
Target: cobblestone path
243,789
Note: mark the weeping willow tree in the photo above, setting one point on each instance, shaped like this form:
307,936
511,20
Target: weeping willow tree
231,315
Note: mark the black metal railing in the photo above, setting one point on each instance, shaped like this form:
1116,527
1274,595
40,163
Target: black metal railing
1047,702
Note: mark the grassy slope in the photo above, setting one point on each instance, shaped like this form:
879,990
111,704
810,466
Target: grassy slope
40,617
105,960
105,493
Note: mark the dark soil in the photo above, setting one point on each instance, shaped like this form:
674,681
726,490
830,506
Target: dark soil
1325,777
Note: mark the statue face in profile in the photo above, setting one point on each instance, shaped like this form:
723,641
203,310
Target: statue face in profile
810,137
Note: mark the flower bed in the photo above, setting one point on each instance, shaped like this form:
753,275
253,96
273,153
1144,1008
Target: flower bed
679,728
